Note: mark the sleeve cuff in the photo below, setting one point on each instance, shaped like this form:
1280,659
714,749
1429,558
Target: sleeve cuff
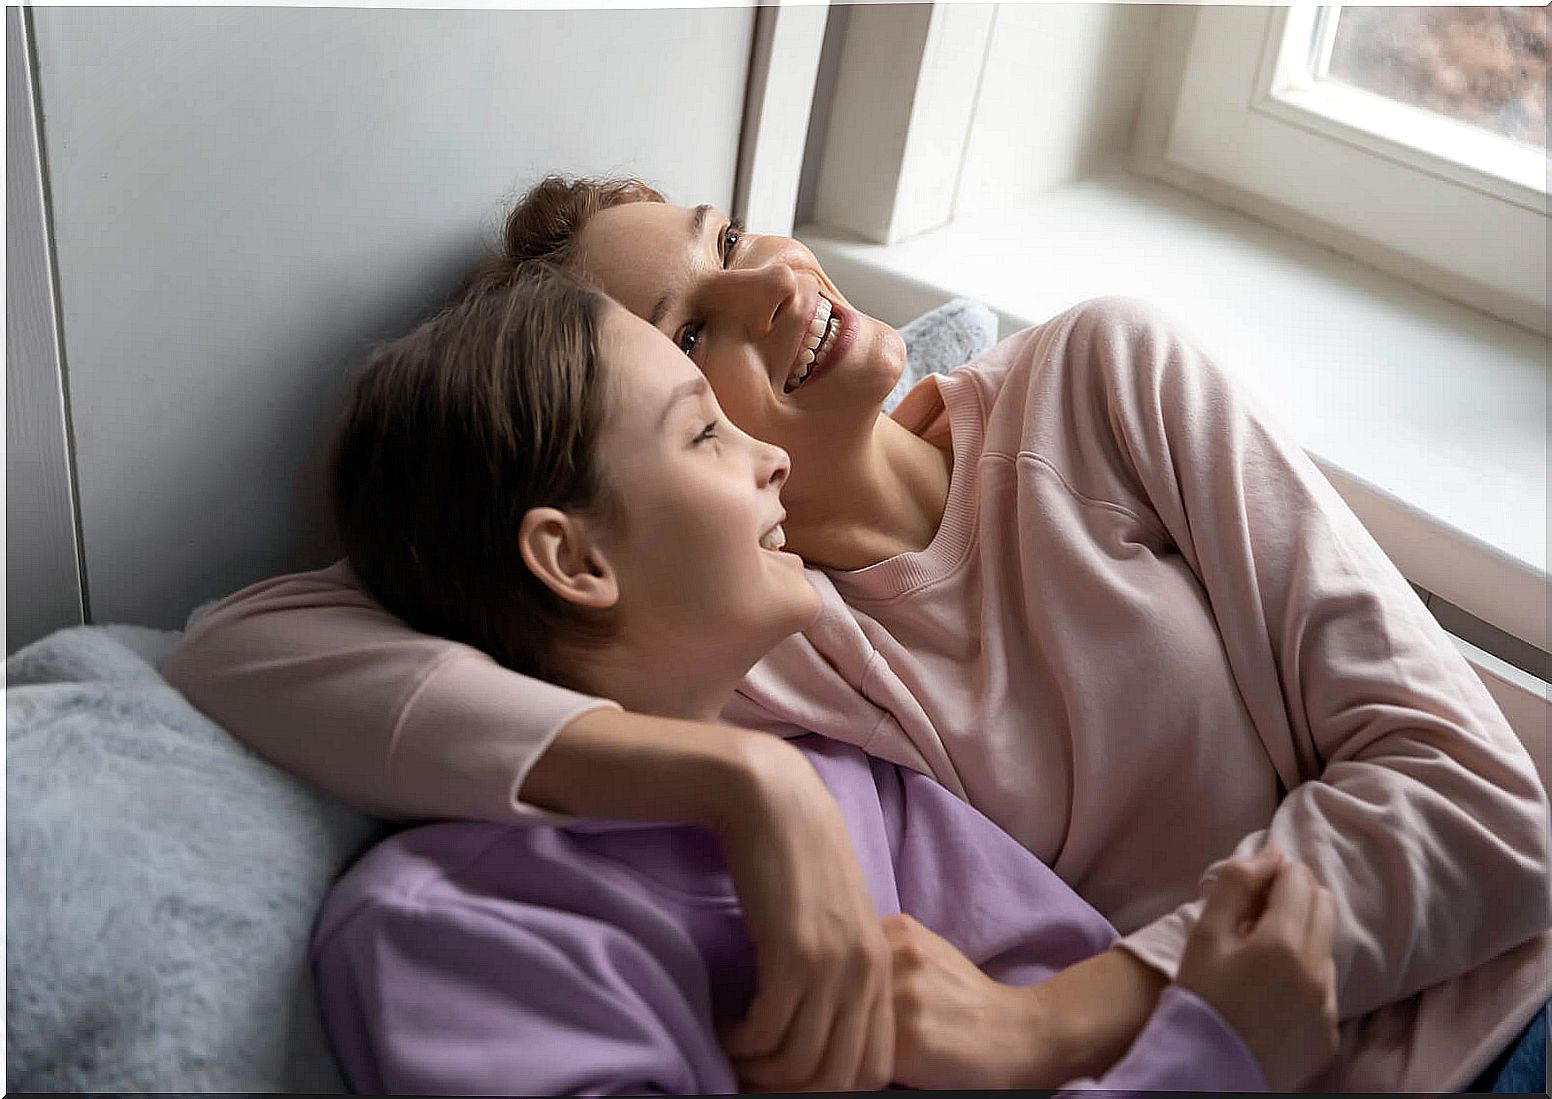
461,749
1186,1046
1162,942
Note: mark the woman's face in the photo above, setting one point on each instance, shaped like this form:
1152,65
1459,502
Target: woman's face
698,497
744,308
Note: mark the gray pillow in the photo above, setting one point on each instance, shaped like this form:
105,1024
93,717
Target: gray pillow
944,339
161,884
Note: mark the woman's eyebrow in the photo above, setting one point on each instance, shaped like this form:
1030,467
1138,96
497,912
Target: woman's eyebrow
697,227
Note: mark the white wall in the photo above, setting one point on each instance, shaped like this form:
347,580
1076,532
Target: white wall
1059,92
940,111
243,199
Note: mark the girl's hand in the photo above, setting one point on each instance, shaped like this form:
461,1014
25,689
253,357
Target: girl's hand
821,1018
1261,956
955,1027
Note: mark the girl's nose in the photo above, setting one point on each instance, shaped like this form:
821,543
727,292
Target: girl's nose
774,466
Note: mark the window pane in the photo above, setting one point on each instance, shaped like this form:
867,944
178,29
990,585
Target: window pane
1486,66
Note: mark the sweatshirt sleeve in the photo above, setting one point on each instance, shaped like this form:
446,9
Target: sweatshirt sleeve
510,999
1186,1046
1408,794
314,675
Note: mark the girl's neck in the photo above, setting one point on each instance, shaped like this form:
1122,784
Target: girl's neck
889,500
658,676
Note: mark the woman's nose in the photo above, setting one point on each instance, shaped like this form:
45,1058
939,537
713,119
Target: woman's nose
758,294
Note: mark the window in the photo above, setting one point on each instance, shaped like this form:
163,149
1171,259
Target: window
1483,66
1392,130
1459,92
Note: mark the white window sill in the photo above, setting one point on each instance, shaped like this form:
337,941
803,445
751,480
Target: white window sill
1429,418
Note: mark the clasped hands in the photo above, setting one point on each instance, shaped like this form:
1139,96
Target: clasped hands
928,1018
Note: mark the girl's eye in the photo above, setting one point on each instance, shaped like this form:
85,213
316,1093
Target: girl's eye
689,339
710,432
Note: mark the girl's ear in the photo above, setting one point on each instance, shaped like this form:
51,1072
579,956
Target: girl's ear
560,550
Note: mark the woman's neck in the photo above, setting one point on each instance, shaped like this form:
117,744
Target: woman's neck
885,497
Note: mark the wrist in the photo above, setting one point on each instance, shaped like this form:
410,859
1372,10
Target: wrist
1088,1015
619,765
1052,1057
759,775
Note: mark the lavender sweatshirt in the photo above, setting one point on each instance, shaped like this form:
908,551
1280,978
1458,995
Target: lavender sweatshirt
1147,636
468,958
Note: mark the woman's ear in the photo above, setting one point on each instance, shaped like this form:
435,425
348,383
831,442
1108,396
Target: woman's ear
560,549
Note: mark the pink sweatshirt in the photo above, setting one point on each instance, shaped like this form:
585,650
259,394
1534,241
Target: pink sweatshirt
1147,636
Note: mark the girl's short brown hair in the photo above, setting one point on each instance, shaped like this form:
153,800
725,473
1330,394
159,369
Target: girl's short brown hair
449,436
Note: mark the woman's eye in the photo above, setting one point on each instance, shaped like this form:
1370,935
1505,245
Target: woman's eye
730,238
710,432
689,339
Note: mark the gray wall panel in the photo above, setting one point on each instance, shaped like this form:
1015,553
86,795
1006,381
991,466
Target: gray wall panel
244,199
43,581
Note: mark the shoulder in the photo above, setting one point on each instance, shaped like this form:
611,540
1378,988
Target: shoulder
401,874
1099,355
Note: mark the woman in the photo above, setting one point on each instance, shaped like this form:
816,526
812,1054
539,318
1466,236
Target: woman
1083,583
481,958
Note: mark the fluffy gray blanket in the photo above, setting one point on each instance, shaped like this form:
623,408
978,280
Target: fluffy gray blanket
161,884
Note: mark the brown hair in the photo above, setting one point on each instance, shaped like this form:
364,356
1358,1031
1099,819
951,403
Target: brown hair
450,435
545,223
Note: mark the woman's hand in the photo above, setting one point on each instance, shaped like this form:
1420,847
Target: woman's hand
1261,956
821,1018
955,1027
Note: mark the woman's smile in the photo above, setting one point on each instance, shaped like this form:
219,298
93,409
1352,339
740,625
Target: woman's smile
838,329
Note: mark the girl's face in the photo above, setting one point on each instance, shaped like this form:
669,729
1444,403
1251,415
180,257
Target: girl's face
744,308
701,507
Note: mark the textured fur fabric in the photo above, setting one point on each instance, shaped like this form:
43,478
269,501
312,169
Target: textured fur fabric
946,338
161,884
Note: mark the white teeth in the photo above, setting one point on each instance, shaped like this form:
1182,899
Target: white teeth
822,331
829,340
774,539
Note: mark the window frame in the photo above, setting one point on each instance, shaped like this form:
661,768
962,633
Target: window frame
1397,131
1235,135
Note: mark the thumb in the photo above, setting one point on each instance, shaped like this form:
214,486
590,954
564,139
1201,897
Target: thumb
1236,889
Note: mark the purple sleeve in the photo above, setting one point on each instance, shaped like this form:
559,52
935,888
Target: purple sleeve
511,999
1186,1046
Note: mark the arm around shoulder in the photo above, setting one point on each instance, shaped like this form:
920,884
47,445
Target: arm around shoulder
310,672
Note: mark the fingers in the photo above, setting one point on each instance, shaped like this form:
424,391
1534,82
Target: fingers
1290,905
878,1062
763,1028
802,1046
843,1055
1235,891
1322,928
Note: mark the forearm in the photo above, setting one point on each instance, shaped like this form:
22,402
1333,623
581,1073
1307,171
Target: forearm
619,765
1092,1012
1409,796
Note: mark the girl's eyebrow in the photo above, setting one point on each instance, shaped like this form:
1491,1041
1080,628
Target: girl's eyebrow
695,387
697,227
